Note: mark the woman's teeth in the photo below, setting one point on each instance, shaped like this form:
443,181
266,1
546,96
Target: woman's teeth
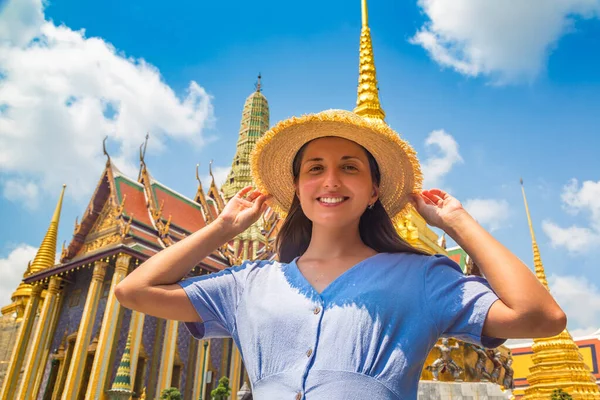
331,200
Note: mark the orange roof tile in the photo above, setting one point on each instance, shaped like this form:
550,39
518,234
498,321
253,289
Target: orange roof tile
184,212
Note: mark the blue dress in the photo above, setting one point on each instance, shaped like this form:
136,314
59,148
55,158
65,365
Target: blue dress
367,335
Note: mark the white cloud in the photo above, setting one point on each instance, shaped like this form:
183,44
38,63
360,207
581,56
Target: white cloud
577,333
22,191
576,199
508,40
437,166
489,212
574,238
12,269
586,198
61,93
21,21
571,292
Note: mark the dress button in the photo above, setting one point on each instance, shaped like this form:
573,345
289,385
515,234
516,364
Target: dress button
309,353
317,310
299,396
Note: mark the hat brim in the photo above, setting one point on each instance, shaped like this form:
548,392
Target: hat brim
273,156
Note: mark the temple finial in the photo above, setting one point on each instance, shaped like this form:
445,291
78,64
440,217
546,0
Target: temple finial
210,172
198,174
367,103
537,259
258,83
106,152
46,254
143,149
365,14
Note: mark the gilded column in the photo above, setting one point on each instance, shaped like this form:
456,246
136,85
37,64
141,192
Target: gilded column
54,321
245,254
167,357
11,378
236,369
191,368
107,337
84,332
236,247
136,328
156,351
40,342
199,382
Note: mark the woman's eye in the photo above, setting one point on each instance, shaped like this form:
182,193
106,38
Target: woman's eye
350,168
315,168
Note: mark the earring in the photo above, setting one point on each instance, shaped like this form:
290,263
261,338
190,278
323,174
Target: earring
370,207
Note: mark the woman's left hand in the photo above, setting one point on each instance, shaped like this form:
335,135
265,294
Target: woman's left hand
437,207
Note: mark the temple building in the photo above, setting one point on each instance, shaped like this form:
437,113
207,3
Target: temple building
68,313
65,336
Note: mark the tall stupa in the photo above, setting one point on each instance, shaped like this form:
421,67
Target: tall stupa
412,227
557,362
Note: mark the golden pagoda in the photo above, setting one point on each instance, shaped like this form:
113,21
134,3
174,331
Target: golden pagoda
44,258
26,299
412,227
254,124
557,362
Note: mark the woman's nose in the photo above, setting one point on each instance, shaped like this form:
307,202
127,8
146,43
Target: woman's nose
332,179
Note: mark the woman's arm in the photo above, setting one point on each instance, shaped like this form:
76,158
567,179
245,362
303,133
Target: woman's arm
152,287
526,309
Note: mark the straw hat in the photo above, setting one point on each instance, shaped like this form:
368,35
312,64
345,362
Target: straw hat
274,154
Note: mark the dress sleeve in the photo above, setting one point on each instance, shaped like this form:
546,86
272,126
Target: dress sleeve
458,303
215,298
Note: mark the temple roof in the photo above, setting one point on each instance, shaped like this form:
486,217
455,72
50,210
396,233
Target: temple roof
139,217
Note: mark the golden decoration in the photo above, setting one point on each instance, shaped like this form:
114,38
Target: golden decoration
46,254
367,103
101,242
557,362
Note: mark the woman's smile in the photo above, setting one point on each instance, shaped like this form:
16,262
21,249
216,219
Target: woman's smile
332,201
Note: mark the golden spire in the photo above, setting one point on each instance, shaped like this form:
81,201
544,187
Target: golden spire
537,259
46,255
557,362
367,104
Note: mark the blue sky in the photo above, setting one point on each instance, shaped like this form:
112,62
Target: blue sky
511,90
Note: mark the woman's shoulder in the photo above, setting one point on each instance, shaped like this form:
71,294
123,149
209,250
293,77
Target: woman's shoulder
405,257
259,266
417,260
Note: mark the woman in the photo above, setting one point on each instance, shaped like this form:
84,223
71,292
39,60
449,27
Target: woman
350,310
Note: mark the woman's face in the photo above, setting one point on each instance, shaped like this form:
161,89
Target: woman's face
334,184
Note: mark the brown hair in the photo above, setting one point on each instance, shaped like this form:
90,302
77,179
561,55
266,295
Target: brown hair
375,226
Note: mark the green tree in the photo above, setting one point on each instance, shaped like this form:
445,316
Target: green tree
559,394
171,394
222,391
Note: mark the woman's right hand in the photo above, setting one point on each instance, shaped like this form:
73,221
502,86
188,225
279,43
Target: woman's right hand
242,210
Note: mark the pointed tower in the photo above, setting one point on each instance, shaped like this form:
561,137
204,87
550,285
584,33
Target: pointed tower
557,362
412,227
121,387
367,104
46,254
44,258
255,122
